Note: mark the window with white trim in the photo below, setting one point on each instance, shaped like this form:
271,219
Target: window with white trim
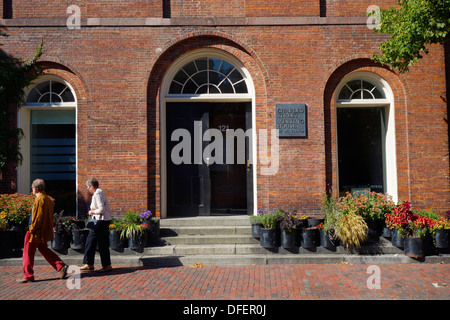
360,89
208,75
365,126
50,91
48,120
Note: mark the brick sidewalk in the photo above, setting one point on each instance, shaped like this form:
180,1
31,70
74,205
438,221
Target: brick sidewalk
271,282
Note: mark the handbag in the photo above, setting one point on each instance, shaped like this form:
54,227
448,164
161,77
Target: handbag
91,223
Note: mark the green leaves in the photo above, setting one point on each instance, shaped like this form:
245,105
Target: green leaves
416,24
15,76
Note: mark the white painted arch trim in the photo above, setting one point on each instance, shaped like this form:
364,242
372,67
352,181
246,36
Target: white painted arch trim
390,140
23,122
166,97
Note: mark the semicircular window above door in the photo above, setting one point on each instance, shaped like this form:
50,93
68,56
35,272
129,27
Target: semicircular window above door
208,75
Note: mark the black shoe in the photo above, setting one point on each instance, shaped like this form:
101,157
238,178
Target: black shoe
63,271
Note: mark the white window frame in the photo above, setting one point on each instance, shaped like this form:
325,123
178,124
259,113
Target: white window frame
389,143
213,97
24,122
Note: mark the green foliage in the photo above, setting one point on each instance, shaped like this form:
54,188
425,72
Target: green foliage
15,76
270,220
131,225
414,25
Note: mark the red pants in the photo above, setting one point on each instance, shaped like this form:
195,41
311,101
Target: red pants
29,250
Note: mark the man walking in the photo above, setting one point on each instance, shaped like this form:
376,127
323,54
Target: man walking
39,232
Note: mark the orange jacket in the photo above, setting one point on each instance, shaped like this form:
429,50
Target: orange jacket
41,228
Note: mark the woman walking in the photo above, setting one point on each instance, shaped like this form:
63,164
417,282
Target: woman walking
99,233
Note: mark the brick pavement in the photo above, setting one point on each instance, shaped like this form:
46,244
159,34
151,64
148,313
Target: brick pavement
269,282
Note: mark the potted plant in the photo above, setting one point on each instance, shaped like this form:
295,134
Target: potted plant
442,229
16,209
398,220
153,223
134,230
351,230
414,228
372,207
61,231
309,237
290,226
270,233
255,221
79,234
116,242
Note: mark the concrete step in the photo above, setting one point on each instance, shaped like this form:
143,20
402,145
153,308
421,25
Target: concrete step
210,239
205,230
207,221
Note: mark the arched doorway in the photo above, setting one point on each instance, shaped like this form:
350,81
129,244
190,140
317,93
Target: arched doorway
206,136
48,119
366,156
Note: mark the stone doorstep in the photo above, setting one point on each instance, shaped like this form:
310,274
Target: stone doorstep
202,230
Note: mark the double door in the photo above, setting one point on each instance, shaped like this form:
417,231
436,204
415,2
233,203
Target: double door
208,158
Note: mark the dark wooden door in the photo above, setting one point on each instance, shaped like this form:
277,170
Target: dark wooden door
196,185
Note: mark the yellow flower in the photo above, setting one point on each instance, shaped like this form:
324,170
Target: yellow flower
3,215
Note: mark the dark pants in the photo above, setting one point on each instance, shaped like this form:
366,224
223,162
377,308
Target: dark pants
100,235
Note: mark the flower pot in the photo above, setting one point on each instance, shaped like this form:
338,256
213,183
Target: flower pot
373,228
396,240
414,247
79,239
441,238
270,238
115,242
290,239
153,229
313,222
325,240
137,241
310,238
256,230
61,241
386,232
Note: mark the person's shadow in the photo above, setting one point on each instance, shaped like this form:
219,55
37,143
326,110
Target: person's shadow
94,273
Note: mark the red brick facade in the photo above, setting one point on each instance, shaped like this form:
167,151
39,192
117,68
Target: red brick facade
295,51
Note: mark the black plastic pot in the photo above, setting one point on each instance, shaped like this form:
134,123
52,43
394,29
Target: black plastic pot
138,241
310,238
256,230
61,241
414,247
441,238
325,240
290,239
396,240
79,239
115,242
270,238
313,222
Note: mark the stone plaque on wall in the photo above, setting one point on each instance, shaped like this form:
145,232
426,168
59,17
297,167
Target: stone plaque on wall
291,119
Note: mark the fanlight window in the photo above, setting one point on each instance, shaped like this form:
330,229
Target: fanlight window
208,75
50,92
360,89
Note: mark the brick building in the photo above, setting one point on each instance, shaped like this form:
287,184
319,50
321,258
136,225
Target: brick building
134,91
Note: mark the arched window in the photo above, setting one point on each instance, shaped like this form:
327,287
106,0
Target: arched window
51,91
48,120
360,89
365,135
208,75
